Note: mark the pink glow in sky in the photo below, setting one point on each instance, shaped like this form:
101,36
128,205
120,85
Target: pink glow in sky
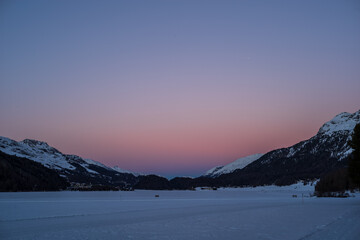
175,87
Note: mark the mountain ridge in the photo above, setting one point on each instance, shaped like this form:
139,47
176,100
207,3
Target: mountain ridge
343,122
310,159
71,167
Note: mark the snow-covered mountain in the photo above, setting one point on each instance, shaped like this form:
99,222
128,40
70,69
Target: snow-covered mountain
237,164
326,151
332,136
72,167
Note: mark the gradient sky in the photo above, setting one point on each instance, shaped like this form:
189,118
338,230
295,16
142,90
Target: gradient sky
175,87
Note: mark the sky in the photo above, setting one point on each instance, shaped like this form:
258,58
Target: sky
175,87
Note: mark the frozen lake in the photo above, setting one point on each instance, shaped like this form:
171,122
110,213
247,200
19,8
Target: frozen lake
260,213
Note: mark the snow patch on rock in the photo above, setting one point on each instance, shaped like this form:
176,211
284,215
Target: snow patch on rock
238,164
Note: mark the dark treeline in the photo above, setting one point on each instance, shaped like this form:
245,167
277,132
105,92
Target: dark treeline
21,174
335,183
154,182
354,163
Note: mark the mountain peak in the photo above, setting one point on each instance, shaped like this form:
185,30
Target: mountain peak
341,122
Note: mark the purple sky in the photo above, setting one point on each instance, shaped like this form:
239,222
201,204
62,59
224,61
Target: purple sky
175,87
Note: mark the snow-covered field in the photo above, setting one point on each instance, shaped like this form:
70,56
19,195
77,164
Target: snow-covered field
248,213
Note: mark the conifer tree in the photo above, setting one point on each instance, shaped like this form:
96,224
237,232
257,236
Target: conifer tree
354,162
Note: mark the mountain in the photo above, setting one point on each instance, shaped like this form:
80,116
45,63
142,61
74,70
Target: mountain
237,164
311,159
71,167
328,150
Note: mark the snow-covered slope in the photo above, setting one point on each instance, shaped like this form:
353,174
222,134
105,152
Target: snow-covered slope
238,164
37,151
213,170
72,167
120,170
341,122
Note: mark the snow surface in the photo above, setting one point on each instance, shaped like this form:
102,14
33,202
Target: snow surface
238,164
341,122
239,213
